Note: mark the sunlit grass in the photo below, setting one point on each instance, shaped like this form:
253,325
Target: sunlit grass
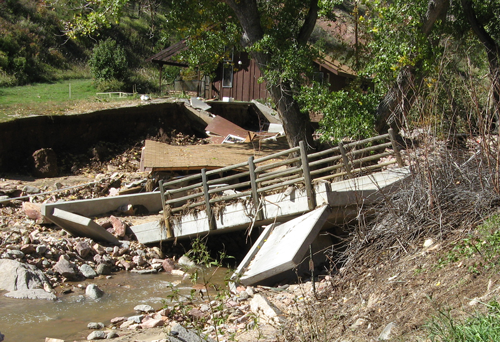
48,98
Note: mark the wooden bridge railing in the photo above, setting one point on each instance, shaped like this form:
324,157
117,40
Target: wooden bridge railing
257,178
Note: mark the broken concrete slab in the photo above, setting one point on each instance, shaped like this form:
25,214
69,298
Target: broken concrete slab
81,226
199,104
284,247
270,114
366,189
98,206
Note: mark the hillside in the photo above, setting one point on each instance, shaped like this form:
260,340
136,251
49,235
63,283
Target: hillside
34,47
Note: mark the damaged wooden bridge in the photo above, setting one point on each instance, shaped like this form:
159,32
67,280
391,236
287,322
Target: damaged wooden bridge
277,188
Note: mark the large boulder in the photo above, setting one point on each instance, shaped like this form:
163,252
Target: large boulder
45,163
24,281
19,276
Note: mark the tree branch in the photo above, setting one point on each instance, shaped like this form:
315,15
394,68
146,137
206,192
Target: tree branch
308,26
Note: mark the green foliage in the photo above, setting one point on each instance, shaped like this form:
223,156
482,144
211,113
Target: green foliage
108,61
346,113
476,328
484,242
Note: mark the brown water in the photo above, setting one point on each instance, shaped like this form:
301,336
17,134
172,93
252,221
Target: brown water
33,320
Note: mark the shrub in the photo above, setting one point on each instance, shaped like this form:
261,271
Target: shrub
108,61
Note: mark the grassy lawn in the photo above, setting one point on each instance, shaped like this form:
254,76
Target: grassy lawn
47,99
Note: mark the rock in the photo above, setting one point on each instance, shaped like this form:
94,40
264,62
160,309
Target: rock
15,253
103,269
152,323
31,190
136,318
65,268
180,334
243,296
45,163
150,271
99,249
97,335
41,249
144,308
186,262
158,252
119,227
2,336
31,294
168,265
93,291
386,333
19,276
83,249
196,313
126,265
260,305
359,322
112,334
139,260
87,271
117,320
95,325
28,249
250,291
48,339
33,211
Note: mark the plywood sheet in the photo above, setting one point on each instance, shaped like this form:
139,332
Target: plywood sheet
161,156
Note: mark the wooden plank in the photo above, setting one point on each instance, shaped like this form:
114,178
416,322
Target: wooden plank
161,156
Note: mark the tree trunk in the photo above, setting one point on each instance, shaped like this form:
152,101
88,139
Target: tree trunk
296,124
492,51
393,108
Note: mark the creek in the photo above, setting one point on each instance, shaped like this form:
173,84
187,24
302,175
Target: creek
67,318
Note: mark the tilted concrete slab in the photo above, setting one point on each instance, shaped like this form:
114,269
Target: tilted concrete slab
282,248
99,206
78,225
366,189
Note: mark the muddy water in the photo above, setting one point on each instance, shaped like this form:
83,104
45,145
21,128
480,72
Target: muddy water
33,320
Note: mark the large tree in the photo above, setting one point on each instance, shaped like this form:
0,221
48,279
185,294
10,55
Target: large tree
275,33
409,43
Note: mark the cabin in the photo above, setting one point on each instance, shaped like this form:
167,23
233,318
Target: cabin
238,76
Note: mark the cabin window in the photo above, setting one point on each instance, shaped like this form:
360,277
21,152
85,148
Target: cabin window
227,75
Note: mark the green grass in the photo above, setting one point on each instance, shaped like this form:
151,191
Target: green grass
47,98
483,242
46,92
478,327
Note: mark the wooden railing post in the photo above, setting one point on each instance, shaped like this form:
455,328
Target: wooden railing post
211,218
255,194
311,198
395,147
166,213
345,159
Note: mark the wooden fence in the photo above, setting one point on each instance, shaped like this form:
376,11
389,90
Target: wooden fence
260,177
